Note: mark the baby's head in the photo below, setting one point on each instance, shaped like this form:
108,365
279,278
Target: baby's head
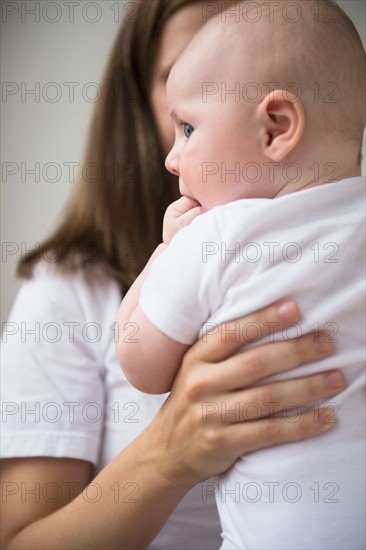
268,98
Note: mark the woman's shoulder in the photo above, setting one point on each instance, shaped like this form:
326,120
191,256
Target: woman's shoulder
69,314
57,292
76,279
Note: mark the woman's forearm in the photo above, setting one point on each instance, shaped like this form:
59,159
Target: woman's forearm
125,506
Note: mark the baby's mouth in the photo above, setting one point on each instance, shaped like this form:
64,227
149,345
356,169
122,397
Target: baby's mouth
185,191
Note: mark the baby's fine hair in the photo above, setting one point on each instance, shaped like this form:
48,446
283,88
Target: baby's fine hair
316,47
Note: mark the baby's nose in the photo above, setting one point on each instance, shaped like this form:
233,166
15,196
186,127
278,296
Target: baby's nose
171,163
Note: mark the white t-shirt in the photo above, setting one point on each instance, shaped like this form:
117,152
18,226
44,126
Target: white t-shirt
64,395
236,259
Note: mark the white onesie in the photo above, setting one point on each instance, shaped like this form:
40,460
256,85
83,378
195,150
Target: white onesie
236,259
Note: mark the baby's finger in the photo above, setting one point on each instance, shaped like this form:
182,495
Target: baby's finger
188,217
184,204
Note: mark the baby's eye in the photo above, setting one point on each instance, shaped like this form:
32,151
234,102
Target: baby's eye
188,129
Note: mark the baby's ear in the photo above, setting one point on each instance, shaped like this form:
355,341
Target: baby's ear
282,120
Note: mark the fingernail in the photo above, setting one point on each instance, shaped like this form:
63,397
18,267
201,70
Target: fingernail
288,311
327,417
323,346
334,381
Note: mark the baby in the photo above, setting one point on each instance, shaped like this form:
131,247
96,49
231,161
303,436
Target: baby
268,108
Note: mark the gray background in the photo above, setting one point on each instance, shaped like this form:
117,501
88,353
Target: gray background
53,47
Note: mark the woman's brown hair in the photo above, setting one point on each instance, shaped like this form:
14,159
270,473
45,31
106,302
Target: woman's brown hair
114,215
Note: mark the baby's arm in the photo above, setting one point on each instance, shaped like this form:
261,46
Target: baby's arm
149,358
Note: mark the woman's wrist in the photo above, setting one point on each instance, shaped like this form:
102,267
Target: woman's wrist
158,450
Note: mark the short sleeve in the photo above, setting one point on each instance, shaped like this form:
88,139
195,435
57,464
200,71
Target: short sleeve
51,381
182,288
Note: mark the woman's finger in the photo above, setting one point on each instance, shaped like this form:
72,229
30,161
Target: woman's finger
247,368
252,436
222,341
285,397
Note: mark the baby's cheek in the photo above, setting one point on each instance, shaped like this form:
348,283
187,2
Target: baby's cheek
191,172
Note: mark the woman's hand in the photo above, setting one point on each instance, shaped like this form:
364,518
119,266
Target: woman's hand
200,431
179,214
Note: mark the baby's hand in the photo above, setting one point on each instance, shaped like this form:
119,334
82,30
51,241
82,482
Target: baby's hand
179,214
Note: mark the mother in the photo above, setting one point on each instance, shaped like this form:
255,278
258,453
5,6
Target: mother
68,411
